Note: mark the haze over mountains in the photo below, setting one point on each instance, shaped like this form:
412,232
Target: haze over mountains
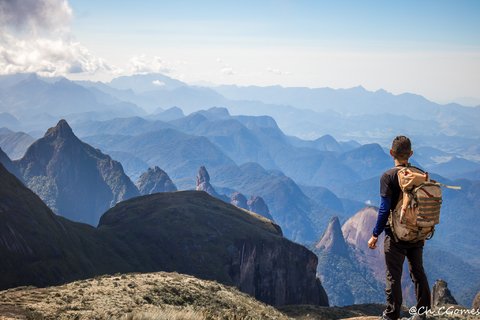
159,132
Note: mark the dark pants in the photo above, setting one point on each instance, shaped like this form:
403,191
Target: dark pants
395,253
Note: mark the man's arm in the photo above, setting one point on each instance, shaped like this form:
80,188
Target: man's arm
382,218
383,212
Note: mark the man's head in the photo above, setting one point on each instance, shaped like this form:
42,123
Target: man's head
401,148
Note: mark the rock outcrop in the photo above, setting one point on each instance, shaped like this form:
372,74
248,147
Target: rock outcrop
476,302
146,234
441,295
203,183
74,179
155,180
332,240
239,200
257,204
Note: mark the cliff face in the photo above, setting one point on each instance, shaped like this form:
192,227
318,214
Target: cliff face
221,242
74,179
277,274
155,180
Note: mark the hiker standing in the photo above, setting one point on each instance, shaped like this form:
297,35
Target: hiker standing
396,249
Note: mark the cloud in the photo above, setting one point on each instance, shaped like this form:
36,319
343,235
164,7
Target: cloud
35,37
158,83
48,57
278,72
33,16
227,71
145,64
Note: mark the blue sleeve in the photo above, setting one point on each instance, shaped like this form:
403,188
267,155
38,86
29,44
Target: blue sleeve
382,218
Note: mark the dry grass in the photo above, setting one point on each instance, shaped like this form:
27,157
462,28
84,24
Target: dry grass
168,313
146,296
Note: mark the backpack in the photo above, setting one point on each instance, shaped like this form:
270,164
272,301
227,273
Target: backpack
418,208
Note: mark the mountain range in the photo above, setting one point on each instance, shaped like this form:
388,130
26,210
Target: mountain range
148,233
253,142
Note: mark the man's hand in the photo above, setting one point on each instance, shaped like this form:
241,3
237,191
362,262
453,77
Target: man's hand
372,243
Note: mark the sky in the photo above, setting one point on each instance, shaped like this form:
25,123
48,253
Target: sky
430,48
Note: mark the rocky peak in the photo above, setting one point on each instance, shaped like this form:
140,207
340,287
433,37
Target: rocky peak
441,295
74,179
203,182
239,200
155,180
257,204
332,239
203,176
61,130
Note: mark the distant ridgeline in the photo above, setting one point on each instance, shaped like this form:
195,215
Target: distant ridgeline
141,127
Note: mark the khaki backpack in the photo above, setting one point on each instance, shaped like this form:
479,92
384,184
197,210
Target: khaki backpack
418,208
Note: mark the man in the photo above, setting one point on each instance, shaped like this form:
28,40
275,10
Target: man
396,251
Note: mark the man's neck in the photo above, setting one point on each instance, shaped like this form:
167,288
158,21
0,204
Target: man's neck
401,162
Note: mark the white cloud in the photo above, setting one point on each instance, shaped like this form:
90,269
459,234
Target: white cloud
158,83
145,64
227,71
35,37
278,72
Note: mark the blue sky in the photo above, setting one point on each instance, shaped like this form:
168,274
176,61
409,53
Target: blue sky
450,24
426,47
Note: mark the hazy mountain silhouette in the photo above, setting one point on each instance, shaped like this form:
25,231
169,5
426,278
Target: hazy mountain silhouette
15,143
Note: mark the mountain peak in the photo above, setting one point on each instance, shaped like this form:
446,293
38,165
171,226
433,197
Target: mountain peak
333,240
203,176
62,129
155,180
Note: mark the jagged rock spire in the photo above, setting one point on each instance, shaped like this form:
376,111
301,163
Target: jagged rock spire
333,240
441,295
239,200
258,205
155,180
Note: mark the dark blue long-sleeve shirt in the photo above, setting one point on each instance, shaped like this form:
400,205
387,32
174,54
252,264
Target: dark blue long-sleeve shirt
382,218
